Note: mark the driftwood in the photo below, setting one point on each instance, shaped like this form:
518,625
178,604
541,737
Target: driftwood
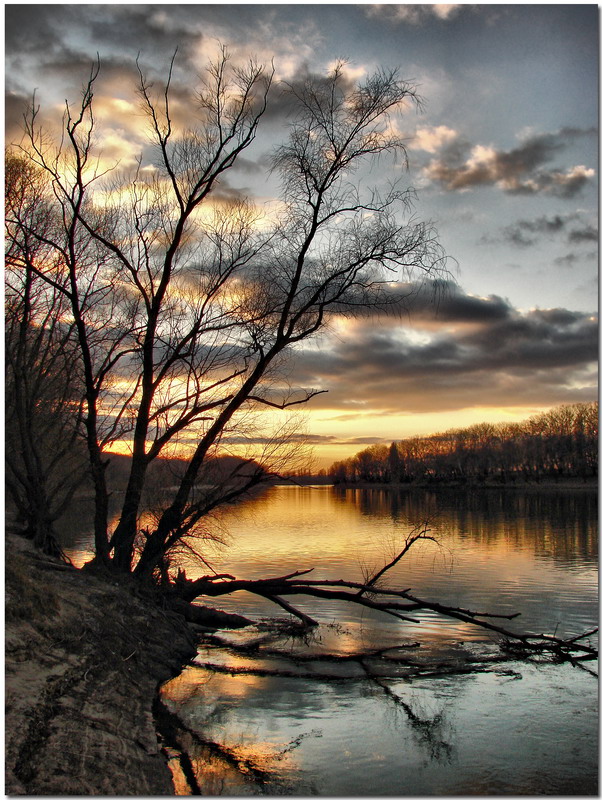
400,603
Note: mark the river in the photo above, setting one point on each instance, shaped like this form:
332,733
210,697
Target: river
441,713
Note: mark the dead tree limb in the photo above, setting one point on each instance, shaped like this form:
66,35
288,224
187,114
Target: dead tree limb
384,600
419,533
399,603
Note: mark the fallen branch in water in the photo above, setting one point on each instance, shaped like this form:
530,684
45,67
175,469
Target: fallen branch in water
398,603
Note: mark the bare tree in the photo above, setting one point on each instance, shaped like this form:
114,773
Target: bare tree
45,462
183,306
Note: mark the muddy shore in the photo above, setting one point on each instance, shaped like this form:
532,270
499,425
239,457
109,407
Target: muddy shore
83,660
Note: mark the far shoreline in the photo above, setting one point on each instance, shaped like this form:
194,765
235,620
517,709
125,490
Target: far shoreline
548,484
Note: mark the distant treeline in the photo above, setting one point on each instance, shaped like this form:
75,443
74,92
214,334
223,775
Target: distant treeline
562,443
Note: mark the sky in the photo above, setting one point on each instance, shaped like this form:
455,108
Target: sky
503,155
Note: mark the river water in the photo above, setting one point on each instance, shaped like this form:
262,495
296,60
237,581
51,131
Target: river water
444,711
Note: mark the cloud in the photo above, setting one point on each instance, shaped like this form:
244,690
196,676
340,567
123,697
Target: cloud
586,234
528,232
570,259
28,31
439,301
15,106
458,353
415,14
307,439
462,166
557,183
433,139
284,101
62,41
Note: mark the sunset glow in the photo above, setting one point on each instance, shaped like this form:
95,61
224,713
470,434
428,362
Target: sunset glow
503,156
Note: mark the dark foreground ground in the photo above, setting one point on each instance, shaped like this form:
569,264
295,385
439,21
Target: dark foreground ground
83,661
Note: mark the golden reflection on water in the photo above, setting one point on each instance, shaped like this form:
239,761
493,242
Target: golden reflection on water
534,552
234,758
336,523
495,552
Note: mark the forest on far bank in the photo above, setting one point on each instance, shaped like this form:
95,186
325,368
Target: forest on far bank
560,443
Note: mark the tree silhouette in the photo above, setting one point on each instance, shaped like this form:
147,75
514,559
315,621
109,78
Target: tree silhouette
561,443
184,306
45,462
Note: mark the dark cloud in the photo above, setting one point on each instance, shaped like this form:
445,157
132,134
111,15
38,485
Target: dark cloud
284,100
568,261
525,233
33,28
528,232
565,184
517,171
443,301
118,35
537,340
147,28
248,167
457,306
124,30
578,133
585,234
497,356
15,106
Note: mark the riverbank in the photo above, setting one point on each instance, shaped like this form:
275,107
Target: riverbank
83,659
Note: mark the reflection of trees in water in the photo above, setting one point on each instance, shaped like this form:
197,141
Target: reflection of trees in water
559,524
431,731
214,768
239,764
230,765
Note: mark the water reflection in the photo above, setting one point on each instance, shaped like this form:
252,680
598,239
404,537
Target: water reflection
467,723
261,714
522,517
432,730
560,525
497,551
442,718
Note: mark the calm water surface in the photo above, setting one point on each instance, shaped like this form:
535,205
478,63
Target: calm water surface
261,717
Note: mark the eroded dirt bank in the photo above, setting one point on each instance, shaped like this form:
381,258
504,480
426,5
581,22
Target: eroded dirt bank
83,660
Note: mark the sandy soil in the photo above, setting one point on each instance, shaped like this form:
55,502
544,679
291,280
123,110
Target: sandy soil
83,660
